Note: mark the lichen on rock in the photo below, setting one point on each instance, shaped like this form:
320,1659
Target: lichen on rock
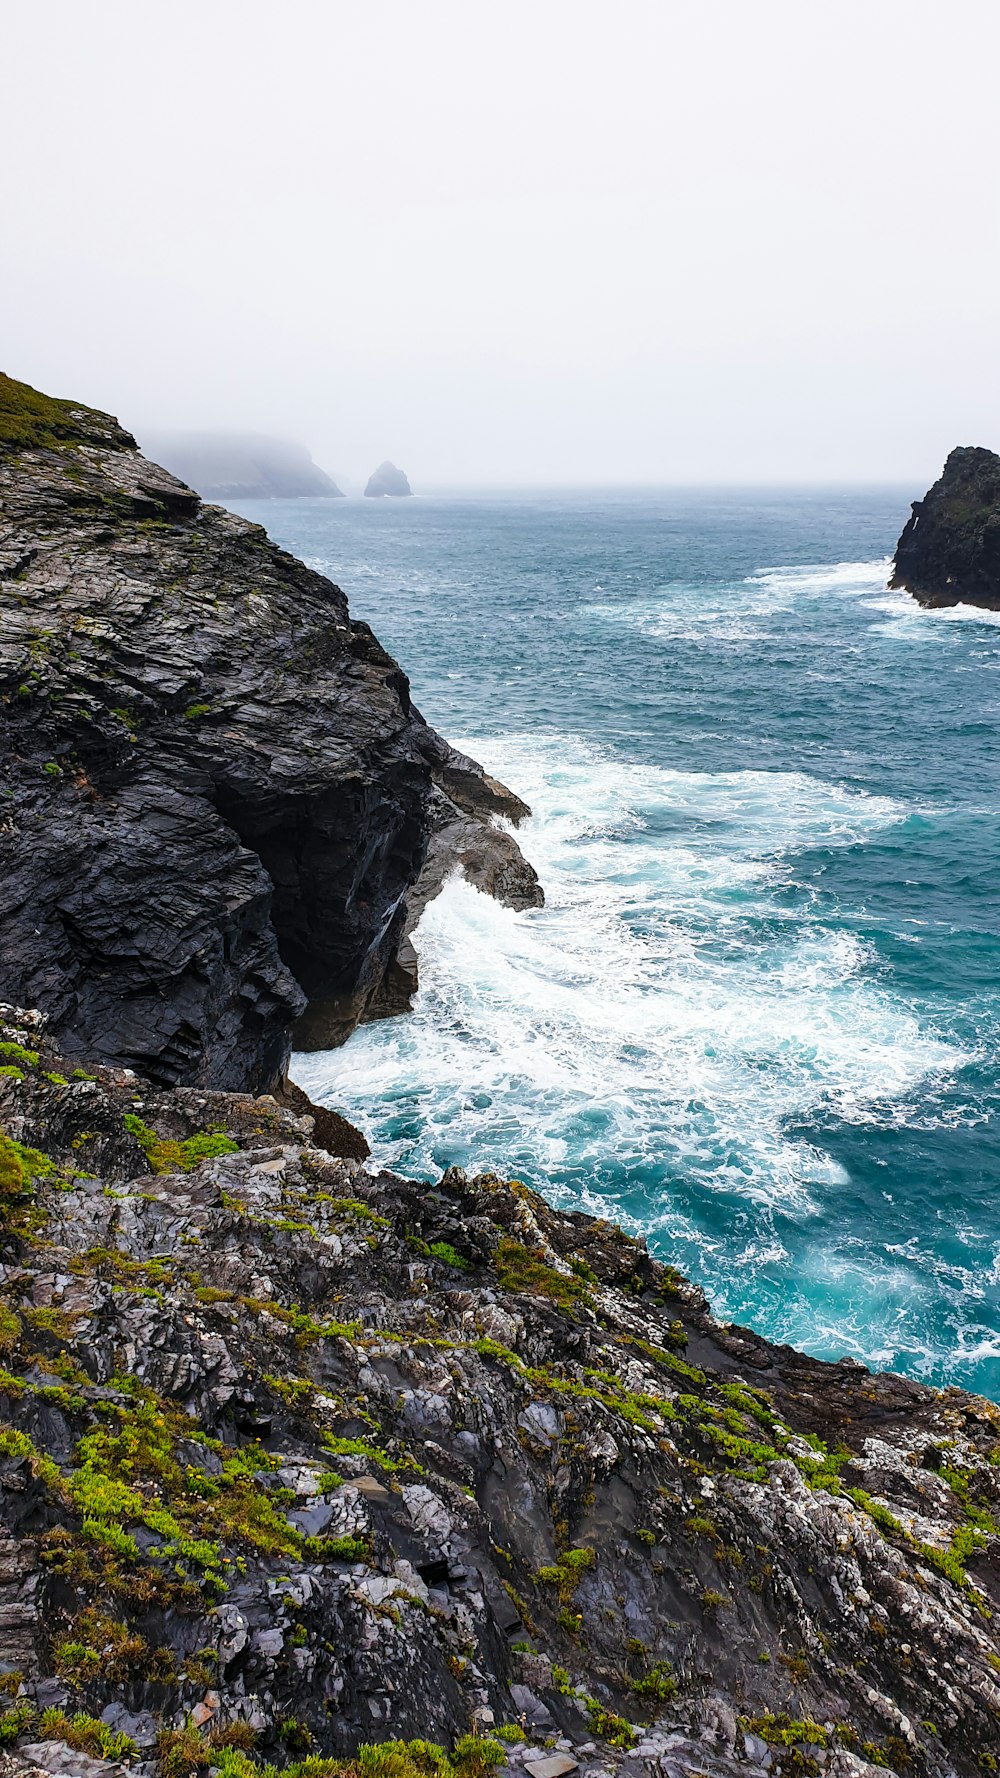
297,1457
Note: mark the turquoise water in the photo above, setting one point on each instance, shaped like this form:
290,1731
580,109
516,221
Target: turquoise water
757,1019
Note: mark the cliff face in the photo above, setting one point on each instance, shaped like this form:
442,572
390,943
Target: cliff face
217,795
298,1454
949,552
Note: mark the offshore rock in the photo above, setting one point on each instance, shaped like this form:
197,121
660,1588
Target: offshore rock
217,795
949,552
387,479
302,1455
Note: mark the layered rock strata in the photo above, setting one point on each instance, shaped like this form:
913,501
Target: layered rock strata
297,1457
217,794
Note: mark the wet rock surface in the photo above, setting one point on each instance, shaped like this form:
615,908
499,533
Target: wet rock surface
949,552
307,1455
217,796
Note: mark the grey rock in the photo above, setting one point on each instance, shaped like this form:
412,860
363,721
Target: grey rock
387,479
218,797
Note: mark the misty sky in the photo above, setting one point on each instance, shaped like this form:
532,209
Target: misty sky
548,240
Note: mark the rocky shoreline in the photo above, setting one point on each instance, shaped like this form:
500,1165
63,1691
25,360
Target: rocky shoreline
298,1456
306,1467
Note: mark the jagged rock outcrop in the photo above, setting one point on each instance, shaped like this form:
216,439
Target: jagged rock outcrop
296,1454
217,795
949,551
387,479
241,465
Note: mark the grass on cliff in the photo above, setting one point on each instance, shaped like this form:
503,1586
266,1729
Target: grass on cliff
184,1751
165,1156
31,420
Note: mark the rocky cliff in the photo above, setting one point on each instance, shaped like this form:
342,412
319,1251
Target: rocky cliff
297,1458
949,552
241,466
387,479
304,1467
217,795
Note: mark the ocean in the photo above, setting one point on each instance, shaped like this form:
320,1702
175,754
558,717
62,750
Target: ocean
757,1019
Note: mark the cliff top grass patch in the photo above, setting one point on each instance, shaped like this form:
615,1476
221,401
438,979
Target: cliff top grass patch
30,420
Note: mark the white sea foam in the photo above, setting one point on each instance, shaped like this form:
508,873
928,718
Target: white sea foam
846,579
745,610
665,1006
911,621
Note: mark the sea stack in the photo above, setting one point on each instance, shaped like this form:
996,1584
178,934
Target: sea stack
949,552
387,479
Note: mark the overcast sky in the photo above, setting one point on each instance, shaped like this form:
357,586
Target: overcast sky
539,241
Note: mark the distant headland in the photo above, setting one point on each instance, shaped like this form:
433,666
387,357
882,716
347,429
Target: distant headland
240,465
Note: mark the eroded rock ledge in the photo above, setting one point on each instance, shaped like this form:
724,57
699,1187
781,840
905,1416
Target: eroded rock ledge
217,795
297,1457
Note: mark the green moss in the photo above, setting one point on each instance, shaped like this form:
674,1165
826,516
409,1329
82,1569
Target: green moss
111,1537
785,1731
295,1392
611,1728
193,711
443,1250
356,1207
11,1072
742,1452
337,1549
16,1052
60,1323
166,1156
15,1723
101,1646
519,1269
967,1540
185,1751
567,1571
305,1327
12,1175
657,1686
360,1447
18,1444
30,420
